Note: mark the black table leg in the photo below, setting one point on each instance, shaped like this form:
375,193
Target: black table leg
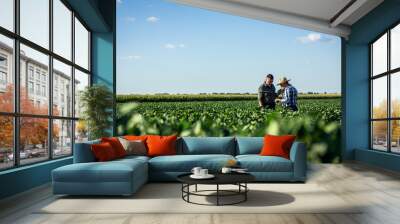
188,190
245,193
182,190
217,194
195,188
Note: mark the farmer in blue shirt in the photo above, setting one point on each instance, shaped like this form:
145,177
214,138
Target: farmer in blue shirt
289,95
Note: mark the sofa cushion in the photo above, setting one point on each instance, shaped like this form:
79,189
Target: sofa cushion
135,147
116,145
185,163
133,158
135,137
112,171
207,145
161,145
277,145
257,163
249,145
103,152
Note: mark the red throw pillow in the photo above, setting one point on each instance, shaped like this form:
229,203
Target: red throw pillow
161,145
277,145
103,152
116,145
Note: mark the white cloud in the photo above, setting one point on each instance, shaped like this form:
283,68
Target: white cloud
152,19
170,46
119,1
130,19
173,46
314,38
132,57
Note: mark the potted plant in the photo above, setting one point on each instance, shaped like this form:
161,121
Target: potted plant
96,102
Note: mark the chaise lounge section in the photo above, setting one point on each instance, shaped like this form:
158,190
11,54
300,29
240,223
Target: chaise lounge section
125,176
88,177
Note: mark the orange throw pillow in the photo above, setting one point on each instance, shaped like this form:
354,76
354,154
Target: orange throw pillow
161,145
277,145
135,137
116,145
103,152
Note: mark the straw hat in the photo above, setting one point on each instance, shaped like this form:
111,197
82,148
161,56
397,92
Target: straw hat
283,80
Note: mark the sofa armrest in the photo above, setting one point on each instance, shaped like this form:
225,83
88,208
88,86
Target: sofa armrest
298,155
83,152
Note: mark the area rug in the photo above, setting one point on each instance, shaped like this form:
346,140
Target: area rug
166,198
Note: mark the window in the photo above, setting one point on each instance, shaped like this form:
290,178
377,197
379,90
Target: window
6,142
39,62
385,97
30,87
81,45
62,74
33,147
62,137
81,82
395,47
44,91
62,29
37,75
45,131
3,61
31,76
3,77
6,73
3,72
35,21
7,14
37,89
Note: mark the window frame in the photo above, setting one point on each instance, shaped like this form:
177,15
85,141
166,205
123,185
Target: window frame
16,114
388,74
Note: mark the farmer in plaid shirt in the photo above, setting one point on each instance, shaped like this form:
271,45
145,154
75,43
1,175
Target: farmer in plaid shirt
289,95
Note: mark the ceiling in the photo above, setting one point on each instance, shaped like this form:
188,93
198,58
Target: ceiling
326,16
322,9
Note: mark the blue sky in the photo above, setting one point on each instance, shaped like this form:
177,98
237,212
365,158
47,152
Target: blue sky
172,48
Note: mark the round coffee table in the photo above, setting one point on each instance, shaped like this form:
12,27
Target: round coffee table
238,179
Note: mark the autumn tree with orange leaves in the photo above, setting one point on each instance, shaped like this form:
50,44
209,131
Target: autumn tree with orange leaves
33,131
380,127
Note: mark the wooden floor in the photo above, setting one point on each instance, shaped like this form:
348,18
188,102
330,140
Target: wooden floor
378,189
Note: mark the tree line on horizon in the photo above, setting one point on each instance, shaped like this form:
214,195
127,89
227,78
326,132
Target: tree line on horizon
168,97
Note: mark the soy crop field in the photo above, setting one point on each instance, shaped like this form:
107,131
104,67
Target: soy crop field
317,123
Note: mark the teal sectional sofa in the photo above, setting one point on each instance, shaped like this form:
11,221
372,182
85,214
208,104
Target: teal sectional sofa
125,176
